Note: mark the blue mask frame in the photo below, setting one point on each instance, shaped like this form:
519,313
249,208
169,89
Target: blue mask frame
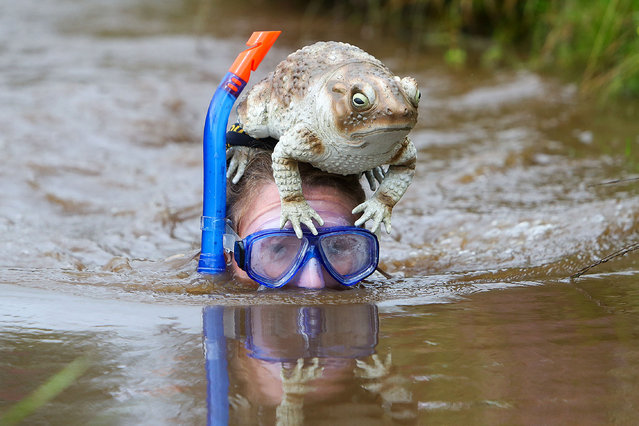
311,248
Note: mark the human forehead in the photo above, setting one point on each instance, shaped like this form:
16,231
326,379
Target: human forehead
263,212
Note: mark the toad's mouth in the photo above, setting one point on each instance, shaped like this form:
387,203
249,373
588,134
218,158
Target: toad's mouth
359,135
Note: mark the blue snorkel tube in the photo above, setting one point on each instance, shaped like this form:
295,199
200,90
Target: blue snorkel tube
217,117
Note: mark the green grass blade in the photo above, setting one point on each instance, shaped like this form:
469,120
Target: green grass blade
46,392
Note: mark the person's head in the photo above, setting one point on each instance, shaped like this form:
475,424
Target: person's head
253,206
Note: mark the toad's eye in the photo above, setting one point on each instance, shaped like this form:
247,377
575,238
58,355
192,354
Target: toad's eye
410,89
361,101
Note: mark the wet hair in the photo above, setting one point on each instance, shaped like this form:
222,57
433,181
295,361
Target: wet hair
259,172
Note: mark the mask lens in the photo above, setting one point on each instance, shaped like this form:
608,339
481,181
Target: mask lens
272,256
349,254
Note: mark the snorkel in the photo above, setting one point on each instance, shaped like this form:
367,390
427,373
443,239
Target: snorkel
214,197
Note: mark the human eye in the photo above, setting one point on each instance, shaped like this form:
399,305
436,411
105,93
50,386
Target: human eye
340,245
273,255
278,249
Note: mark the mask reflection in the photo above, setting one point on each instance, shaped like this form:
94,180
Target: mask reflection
279,360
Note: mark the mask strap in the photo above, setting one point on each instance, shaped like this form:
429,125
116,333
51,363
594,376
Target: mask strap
230,237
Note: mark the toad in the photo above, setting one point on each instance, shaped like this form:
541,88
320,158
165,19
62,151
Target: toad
340,109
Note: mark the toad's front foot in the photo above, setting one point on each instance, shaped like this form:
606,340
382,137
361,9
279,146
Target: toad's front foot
296,382
298,212
376,370
376,211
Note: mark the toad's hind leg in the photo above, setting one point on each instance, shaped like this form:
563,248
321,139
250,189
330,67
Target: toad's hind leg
398,177
237,158
374,176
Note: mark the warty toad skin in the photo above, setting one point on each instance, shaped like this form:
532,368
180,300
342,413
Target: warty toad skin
340,109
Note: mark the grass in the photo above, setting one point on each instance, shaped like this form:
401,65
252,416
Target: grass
598,41
593,42
46,392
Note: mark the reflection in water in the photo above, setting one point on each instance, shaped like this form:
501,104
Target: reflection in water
564,353
216,365
282,361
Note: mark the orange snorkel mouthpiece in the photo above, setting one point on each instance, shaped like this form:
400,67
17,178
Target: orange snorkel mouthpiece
259,44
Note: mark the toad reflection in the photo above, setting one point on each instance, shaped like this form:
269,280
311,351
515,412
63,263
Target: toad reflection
281,363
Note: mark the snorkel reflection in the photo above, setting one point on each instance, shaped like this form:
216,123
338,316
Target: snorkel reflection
281,362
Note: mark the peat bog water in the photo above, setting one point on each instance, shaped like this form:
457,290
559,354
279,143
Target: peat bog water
101,112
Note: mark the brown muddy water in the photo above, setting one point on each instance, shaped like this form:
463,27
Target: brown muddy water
102,106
